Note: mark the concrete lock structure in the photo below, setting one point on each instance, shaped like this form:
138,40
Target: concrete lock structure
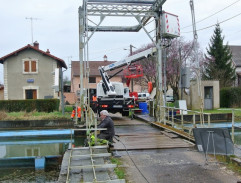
40,162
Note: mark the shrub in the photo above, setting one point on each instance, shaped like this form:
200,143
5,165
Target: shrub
230,97
40,105
3,115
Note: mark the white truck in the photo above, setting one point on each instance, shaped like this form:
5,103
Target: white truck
113,96
121,102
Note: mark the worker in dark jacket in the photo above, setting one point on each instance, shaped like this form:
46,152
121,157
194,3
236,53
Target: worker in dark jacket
106,122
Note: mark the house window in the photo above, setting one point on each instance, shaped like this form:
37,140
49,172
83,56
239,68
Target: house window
31,94
92,79
30,66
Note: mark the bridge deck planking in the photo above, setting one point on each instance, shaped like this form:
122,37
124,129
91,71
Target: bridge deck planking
145,141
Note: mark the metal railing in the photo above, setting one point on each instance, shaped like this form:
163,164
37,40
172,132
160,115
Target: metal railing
198,118
234,124
178,121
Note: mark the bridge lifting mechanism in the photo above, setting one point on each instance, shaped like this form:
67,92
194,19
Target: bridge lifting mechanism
91,17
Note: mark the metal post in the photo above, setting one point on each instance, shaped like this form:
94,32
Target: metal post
164,117
182,117
62,90
95,120
172,117
194,120
208,120
233,125
159,84
81,57
164,74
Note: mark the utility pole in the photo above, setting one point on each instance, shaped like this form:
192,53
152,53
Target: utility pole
195,37
31,19
132,81
131,52
131,46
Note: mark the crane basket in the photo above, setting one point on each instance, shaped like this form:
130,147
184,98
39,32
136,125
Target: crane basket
133,71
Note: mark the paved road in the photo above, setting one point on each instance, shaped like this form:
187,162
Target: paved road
182,165
172,166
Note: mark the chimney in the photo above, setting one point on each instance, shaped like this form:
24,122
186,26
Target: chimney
105,58
48,51
36,44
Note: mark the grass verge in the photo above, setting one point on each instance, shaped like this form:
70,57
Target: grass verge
14,116
231,165
120,172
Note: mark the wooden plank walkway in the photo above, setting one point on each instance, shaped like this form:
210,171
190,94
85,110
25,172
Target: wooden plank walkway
174,130
139,135
148,141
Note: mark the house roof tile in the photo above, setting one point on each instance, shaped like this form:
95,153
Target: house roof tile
93,65
62,63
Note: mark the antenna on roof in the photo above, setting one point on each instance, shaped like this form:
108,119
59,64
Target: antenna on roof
31,19
69,64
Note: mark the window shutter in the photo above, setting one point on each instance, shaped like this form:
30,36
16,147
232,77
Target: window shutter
26,66
33,66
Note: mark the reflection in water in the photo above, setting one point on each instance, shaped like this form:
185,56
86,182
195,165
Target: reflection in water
33,150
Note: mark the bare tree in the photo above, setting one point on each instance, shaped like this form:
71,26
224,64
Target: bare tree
179,54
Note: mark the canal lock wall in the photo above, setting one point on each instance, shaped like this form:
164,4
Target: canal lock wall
36,124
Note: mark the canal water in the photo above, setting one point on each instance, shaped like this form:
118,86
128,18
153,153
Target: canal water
19,153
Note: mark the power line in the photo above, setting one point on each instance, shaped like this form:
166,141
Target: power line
216,23
212,14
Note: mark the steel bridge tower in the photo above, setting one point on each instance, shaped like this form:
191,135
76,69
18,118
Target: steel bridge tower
144,11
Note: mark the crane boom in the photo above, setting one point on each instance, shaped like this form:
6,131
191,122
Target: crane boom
107,86
129,60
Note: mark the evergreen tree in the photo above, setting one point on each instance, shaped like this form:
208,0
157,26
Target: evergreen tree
218,64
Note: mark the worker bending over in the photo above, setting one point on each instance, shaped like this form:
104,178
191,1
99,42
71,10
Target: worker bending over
74,113
106,122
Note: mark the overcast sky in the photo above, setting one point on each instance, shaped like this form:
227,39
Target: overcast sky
55,27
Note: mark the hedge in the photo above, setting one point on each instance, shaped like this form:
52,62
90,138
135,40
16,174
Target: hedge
230,97
40,105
